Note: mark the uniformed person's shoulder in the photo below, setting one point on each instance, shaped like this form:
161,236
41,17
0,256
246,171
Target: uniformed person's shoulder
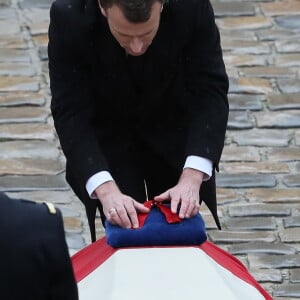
25,220
45,213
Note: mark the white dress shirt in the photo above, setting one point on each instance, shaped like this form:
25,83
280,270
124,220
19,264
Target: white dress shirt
195,162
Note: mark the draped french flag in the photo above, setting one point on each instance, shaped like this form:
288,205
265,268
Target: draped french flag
118,268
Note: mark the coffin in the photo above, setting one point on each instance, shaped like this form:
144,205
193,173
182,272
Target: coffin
162,272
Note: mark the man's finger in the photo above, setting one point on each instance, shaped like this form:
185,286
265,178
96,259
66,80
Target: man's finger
174,205
163,197
113,217
183,208
190,209
125,221
132,214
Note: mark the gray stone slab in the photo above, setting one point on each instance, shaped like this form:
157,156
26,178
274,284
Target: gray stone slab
72,225
295,276
7,13
283,101
282,119
289,85
263,137
14,55
268,72
55,197
273,34
13,42
5,3
250,85
291,60
297,137
43,53
237,35
244,60
292,180
239,120
39,28
244,23
36,15
17,84
270,261
245,223
254,168
240,236
262,210
246,47
261,247
245,180
234,153
288,290
23,115
233,8
278,195
74,241
245,102
35,4
266,275
283,154
16,69
287,46
33,183
288,22
68,211
9,26
27,131
290,235
29,149
292,222
30,166
22,99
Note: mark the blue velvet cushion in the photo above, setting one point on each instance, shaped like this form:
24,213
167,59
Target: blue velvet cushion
157,232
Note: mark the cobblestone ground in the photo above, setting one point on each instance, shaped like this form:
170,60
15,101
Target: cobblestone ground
258,186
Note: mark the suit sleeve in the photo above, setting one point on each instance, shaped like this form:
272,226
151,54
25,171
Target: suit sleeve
72,99
206,87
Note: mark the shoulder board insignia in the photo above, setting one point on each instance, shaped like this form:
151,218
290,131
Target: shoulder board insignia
51,208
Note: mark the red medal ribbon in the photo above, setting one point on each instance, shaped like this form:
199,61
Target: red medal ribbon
166,211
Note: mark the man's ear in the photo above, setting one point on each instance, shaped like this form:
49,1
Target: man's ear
103,11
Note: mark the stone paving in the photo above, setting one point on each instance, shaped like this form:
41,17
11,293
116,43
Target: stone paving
259,182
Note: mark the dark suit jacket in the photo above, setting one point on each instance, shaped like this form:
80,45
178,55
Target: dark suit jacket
34,258
182,108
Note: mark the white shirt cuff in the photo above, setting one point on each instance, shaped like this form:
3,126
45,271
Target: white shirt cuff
96,180
201,164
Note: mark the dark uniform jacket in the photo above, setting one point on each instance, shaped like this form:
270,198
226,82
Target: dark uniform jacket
177,105
34,258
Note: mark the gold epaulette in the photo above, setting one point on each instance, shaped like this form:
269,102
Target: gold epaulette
51,208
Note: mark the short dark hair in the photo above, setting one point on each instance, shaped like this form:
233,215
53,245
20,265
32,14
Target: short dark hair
134,11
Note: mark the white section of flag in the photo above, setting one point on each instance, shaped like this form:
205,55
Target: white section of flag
164,274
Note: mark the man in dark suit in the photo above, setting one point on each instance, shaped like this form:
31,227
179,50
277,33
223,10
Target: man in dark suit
139,99
35,263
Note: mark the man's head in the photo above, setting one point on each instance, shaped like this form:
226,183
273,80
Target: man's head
133,23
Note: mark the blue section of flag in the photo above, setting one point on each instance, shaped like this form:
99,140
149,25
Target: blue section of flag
157,232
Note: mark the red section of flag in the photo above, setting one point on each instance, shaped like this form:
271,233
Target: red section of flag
231,263
90,258
170,217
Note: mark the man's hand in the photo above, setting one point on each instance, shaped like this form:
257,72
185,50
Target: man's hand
119,209
186,193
